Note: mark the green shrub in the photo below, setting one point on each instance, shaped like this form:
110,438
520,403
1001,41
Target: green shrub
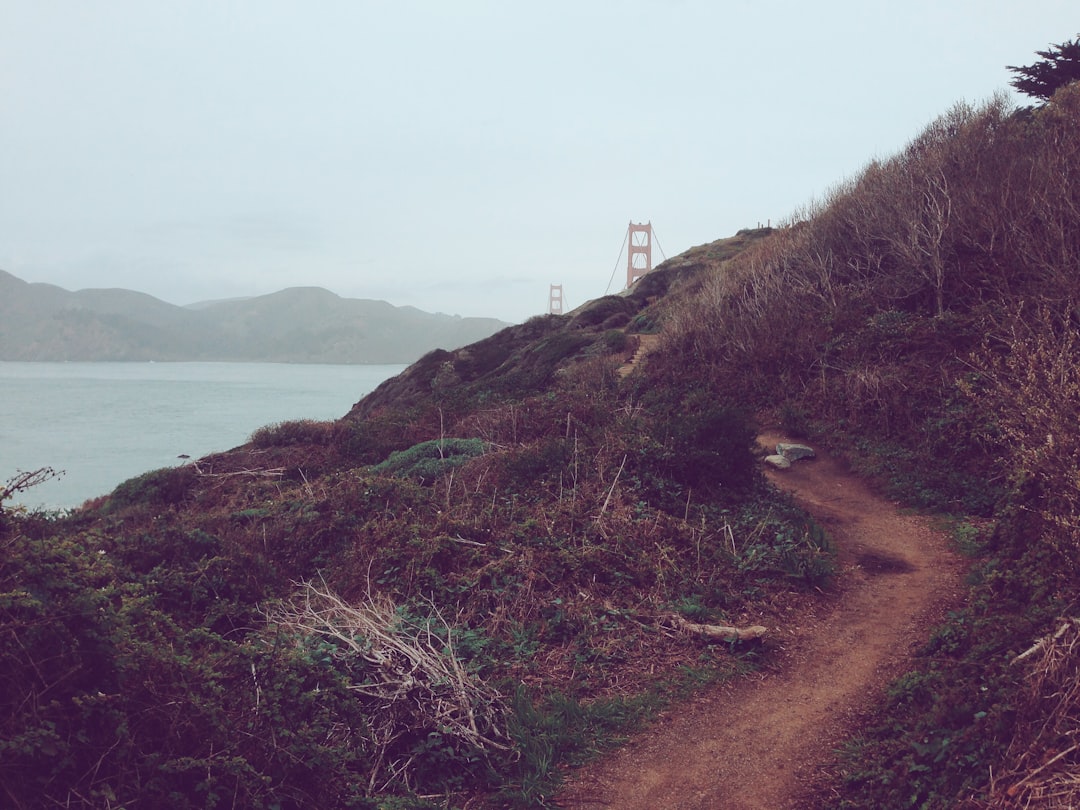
784,542
644,324
372,439
528,466
615,340
552,733
713,449
611,310
430,459
139,670
295,432
168,486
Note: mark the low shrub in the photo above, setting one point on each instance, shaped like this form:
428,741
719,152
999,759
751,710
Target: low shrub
168,486
430,459
615,340
712,449
295,432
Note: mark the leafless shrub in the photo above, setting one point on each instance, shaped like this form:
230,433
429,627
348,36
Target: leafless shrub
980,211
24,480
1027,393
409,675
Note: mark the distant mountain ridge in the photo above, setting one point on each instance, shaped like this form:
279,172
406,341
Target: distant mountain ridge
43,322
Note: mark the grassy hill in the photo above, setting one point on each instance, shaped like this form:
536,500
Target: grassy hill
470,581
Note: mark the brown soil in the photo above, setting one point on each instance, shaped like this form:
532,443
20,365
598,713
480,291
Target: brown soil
768,741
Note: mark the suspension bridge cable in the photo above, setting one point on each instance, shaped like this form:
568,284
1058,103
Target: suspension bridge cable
617,262
657,240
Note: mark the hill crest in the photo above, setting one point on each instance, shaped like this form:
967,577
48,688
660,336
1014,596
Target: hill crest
44,322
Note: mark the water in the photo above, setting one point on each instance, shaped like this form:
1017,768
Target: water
103,423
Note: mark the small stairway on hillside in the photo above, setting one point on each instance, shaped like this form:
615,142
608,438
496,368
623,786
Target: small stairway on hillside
646,343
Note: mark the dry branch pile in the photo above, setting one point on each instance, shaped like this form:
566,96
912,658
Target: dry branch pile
407,674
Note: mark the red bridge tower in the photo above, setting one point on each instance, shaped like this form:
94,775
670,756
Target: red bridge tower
638,251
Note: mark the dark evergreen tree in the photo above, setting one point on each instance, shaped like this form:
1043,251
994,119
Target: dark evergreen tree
1059,66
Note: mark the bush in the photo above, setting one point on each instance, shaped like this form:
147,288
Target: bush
119,691
168,486
713,449
430,459
615,340
371,439
614,310
289,434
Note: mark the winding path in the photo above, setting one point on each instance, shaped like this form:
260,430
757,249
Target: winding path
766,744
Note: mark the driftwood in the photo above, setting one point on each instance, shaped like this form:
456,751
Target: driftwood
263,472
719,632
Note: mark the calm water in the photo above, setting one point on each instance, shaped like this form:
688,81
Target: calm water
105,422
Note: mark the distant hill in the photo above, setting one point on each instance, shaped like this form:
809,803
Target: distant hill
297,325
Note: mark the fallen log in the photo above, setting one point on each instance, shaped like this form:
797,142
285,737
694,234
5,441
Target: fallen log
719,632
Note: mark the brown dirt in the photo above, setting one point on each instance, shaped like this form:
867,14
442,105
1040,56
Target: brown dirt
768,741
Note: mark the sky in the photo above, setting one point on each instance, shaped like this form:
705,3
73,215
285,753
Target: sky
459,156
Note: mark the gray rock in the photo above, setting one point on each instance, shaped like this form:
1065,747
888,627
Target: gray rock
778,461
793,452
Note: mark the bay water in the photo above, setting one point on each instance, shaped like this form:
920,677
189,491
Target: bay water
102,423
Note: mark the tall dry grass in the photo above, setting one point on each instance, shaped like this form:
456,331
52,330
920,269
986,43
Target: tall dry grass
981,211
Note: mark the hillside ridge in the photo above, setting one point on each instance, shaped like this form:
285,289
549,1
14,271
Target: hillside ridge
43,322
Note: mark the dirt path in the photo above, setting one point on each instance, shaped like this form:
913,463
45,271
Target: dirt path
764,744
646,343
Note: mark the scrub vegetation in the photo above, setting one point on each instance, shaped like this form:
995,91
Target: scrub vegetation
474,579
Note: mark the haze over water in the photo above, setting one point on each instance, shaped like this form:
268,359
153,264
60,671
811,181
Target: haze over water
106,422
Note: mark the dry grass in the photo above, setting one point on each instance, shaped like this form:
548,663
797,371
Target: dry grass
407,674
1043,766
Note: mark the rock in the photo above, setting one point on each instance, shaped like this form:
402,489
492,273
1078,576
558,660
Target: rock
793,452
778,461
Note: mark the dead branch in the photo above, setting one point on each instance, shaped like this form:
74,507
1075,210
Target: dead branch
457,538
607,500
24,480
1040,769
719,632
271,472
1044,641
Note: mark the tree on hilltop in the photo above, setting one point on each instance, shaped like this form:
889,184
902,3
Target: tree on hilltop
1059,66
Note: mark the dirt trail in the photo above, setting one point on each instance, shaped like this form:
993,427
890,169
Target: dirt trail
764,743
646,343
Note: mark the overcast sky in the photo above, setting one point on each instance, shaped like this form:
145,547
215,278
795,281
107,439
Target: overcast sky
456,156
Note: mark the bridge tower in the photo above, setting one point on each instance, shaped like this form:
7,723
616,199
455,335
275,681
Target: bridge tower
555,300
638,251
